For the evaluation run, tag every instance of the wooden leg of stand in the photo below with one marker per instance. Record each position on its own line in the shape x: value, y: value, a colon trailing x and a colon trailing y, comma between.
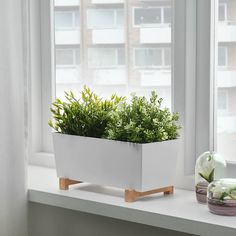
x: 131, y: 195
x: 64, y: 183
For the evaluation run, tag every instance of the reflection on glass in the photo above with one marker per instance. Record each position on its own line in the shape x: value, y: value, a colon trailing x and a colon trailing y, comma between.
x: 113, y: 48
x: 226, y: 79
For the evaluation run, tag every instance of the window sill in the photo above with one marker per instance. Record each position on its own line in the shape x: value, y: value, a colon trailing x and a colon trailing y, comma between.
x: 179, y: 212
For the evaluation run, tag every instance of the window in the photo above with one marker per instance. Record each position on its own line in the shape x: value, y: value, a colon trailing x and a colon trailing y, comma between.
x: 222, y: 56
x: 105, y: 52
x: 152, y: 57
x: 105, y: 18
x: 222, y: 12
x: 226, y: 82
x: 106, y: 57
x: 66, y: 20
x: 100, y: 45
x: 222, y: 104
x: 152, y: 16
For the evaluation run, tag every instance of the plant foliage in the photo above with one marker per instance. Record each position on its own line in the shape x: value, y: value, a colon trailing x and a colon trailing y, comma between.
x: 87, y: 116
x: 208, y: 178
x: 143, y: 121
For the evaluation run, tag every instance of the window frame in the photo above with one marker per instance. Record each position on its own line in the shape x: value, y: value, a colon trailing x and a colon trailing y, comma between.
x: 193, y: 63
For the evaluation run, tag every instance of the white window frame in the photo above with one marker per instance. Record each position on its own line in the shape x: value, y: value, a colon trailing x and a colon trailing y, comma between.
x: 162, y: 24
x: 193, y: 64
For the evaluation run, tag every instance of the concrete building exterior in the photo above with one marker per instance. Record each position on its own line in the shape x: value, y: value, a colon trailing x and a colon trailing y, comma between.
x: 226, y: 79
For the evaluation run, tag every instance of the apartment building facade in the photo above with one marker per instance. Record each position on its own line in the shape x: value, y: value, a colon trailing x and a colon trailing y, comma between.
x: 226, y: 78
x: 118, y: 46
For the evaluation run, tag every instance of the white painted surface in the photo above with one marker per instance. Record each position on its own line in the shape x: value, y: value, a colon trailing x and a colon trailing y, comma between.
x: 108, y: 36
x: 66, y: 2
x: 67, y: 37
x: 155, y: 78
x: 107, y: 1
x: 179, y: 212
x: 155, y: 35
x: 226, y: 78
x: 72, y: 75
x: 109, y: 77
x: 13, y: 84
x: 113, y: 163
x: 226, y: 33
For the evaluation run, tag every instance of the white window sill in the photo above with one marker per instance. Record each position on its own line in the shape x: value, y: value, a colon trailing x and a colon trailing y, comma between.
x: 179, y: 212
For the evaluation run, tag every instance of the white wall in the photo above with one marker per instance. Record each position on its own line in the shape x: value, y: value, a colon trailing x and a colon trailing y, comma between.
x: 53, y: 221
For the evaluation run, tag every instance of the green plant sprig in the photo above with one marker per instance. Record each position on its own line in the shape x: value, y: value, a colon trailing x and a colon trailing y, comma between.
x: 143, y: 121
x: 87, y: 116
x: 208, y: 178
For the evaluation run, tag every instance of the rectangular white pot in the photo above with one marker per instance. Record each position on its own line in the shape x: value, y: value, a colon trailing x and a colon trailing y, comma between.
x: 114, y: 163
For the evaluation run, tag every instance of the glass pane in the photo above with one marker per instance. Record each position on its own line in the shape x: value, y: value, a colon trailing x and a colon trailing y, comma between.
x: 102, y: 57
x: 120, y: 17
x: 108, y: 52
x: 67, y: 57
x: 63, y: 20
x: 222, y: 11
x: 148, y: 57
x: 101, y: 18
x: 167, y: 15
x: 147, y: 16
x: 222, y: 56
x: 226, y: 80
x: 167, y: 56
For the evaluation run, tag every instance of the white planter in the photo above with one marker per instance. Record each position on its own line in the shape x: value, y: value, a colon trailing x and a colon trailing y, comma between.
x: 113, y: 163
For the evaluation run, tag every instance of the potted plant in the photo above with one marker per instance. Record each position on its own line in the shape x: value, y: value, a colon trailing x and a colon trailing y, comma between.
x: 130, y: 145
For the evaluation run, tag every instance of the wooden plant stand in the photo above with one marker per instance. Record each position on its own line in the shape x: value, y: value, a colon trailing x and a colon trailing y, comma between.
x: 131, y: 195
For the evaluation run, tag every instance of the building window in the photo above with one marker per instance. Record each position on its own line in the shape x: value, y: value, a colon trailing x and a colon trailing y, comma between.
x: 152, y: 16
x: 67, y: 57
x: 152, y: 57
x: 105, y: 18
x: 222, y: 12
x: 226, y: 84
x: 222, y: 100
x: 222, y: 56
x: 66, y: 20
x: 106, y: 57
x: 103, y: 51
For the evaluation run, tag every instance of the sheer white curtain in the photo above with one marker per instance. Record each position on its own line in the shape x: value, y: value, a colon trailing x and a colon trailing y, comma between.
x: 13, y: 81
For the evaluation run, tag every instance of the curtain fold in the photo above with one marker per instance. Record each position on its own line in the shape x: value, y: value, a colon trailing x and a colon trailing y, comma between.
x: 13, y: 113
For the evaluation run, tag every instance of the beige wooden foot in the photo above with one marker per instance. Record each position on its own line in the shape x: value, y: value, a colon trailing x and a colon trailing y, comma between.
x: 131, y: 195
x: 64, y: 183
